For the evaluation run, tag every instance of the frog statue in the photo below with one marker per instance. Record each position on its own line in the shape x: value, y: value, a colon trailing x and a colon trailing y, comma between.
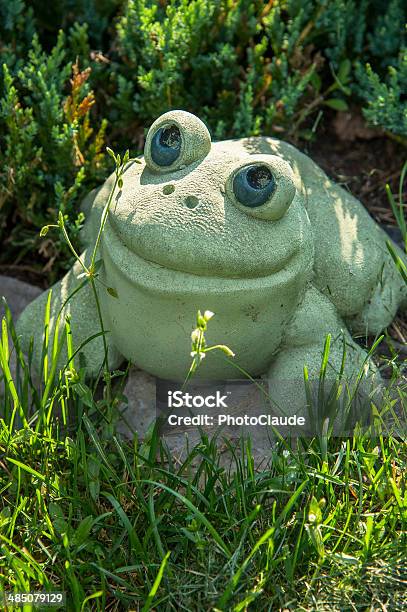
x: 250, y: 229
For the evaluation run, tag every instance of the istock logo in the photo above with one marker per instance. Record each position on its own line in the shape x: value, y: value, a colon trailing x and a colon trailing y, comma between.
x: 176, y: 399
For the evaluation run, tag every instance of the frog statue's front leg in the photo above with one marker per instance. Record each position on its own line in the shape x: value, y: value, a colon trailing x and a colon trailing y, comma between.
x: 84, y: 323
x: 303, y: 345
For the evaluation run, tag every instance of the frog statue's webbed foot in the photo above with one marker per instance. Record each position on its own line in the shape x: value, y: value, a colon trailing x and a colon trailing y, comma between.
x: 84, y: 323
x: 348, y: 383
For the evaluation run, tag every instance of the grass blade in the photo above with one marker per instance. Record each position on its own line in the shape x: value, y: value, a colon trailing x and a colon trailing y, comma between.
x: 157, y: 581
x: 236, y: 576
x: 223, y: 546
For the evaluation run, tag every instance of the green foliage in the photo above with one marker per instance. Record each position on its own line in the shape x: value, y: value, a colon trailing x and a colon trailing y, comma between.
x: 17, y: 28
x: 245, y: 67
x: 49, y: 153
x: 263, y: 67
x: 388, y: 35
x: 386, y: 98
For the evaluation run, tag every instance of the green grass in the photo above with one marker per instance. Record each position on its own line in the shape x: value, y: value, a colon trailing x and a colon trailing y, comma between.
x: 121, y: 525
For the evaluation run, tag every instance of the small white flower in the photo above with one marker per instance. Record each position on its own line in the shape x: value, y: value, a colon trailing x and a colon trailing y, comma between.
x: 195, y: 335
x: 208, y: 314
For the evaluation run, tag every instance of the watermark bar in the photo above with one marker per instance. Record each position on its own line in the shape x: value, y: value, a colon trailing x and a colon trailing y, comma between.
x: 236, y: 407
x: 10, y: 600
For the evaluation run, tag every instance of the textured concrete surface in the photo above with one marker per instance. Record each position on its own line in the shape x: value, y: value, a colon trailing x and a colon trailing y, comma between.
x: 140, y: 411
x: 179, y: 239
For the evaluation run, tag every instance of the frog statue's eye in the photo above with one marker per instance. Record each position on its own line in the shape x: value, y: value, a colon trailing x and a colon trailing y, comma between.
x: 166, y: 145
x: 253, y: 185
x: 263, y: 187
x: 176, y: 140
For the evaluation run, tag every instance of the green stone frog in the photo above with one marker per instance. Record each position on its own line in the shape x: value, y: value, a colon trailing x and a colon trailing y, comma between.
x: 250, y: 229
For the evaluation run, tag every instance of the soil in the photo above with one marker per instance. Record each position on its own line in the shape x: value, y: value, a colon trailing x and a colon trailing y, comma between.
x: 363, y: 166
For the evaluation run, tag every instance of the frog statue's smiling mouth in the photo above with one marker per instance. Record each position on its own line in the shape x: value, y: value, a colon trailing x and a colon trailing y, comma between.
x: 207, y: 272
x: 159, y: 274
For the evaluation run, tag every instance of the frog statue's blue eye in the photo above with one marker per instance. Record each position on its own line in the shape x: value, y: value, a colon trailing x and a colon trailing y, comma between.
x: 253, y: 185
x: 166, y: 145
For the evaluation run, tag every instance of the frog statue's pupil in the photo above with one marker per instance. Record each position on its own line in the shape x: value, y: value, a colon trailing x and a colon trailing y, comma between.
x: 170, y: 137
x: 166, y: 145
x: 259, y: 177
x: 253, y: 185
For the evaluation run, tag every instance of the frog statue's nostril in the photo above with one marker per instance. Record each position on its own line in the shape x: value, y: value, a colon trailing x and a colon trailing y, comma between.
x: 167, y: 189
x: 191, y: 202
